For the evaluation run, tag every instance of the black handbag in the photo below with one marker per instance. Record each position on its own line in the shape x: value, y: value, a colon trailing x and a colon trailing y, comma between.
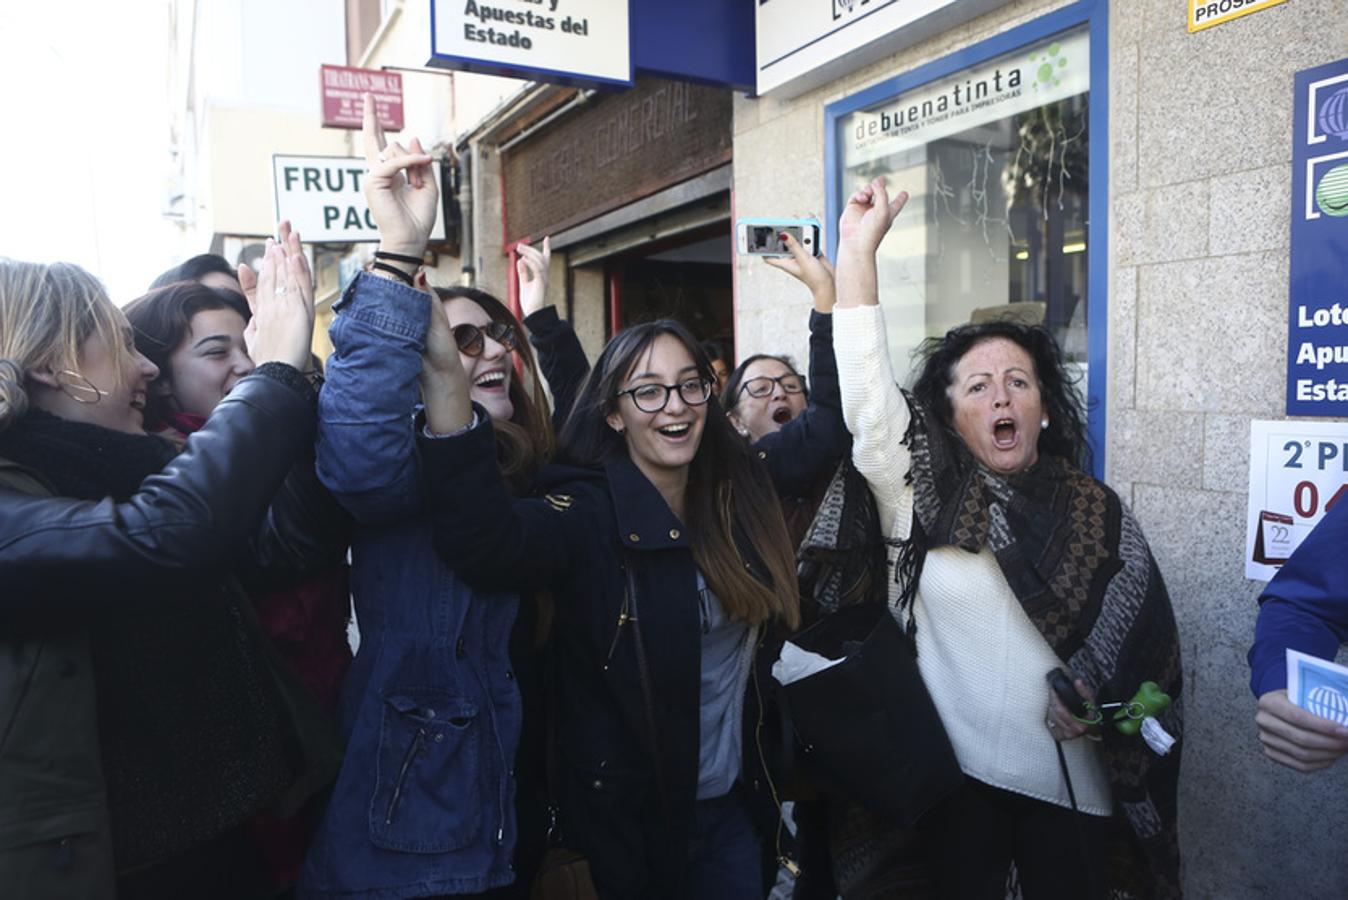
x: 866, y: 728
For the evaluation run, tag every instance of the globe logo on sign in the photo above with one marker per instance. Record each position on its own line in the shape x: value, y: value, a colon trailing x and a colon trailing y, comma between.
x: 1331, y: 194
x: 1334, y: 114
x: 1327, y: 703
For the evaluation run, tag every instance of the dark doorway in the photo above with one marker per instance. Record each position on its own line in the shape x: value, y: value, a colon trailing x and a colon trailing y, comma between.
x: 687, y: 278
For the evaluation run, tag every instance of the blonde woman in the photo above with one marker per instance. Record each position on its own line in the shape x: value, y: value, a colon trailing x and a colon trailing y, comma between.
x: 143, y: 721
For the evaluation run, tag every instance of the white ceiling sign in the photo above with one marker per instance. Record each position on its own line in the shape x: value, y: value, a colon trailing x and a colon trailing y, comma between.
x: 804, y: 43
x: 585, y: 41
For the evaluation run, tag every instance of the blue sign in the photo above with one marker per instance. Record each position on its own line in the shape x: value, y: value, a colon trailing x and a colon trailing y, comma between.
x: 1317, y: 336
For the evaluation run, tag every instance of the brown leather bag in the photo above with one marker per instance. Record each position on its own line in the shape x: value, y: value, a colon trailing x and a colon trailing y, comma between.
x: 564, y: 875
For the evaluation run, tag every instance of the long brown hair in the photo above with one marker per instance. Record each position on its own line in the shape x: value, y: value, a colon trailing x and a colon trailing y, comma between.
x: 525, y: 443
x: 729, y: 493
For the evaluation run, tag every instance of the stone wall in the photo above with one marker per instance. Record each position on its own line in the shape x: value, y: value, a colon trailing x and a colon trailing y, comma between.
x: 1200, y: 151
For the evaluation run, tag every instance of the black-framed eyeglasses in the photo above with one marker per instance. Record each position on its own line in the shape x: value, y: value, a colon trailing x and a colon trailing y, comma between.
x: 652, y: 398
x: 763, y: 385
x: 470, y: 337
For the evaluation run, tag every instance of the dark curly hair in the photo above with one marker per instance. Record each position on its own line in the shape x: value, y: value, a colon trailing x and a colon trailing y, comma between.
x: 1066, y: 432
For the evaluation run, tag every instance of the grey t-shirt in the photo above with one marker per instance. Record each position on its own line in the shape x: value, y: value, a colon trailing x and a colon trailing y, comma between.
x: 725, y: 670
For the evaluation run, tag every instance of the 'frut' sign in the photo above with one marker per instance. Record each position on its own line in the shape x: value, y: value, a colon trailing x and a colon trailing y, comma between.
x: 323, y: 198
x: 1317, y: 337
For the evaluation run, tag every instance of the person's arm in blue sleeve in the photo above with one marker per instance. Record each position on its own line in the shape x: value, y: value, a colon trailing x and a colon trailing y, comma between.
x: 490, y: 538
x: 811, y: 445
x: 367, y: 452
x: 1305, y: 608
x: 560, y: 358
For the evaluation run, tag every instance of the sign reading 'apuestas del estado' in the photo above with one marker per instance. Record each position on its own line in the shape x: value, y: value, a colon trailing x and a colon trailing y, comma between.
x: 1317, y: 344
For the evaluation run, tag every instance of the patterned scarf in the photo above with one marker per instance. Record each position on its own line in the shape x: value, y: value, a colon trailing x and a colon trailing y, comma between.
x: 1077, y: 562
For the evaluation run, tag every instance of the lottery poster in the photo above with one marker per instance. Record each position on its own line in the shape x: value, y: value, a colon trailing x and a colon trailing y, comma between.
x: 1298, y: 470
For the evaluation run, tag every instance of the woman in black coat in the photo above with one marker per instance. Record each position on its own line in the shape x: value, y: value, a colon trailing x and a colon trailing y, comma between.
x: 145, y: 718
x: 669, y: 562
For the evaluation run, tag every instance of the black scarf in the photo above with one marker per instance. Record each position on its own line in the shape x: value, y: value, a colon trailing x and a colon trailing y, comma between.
x: 1077, y: 562
x: 191, y: 734
x: 86, y: 462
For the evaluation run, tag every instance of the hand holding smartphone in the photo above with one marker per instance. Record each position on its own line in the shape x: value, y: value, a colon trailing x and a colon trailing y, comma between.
x: 762, y: 237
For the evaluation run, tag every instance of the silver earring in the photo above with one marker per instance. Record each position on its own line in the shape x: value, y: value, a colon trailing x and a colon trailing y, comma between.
x: 1043, y: 424
x: 79, y: 388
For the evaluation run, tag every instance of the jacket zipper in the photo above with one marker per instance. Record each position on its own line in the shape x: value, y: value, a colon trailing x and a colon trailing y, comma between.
x: 623, y: 619
x: 402, y: 774
x: 782, y: 859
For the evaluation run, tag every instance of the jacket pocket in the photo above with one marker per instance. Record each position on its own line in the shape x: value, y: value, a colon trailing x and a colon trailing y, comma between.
x: 427, y: 795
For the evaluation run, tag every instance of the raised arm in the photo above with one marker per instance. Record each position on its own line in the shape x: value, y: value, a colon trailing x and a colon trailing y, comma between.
x: 873, y: 406
x: 811, y: 445
x: 560, y: 356
x: 57, y: 556
x: 366, y: 449
x: 489, y: 537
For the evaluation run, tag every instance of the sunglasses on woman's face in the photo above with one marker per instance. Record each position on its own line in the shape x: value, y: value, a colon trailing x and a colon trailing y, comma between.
x: 470, y: 338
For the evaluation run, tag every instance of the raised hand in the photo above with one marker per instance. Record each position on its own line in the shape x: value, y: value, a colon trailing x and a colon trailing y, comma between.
x: 865, y: 221
x: 866, y: 218
x: 815, y: 272
x: 532, y: 268
x: 445, y: 390
x: 283, y: 306
x: 399, y: 187
x: 290, y: 244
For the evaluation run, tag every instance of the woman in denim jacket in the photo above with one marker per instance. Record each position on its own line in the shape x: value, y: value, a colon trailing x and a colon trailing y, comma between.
x: 432, y: 708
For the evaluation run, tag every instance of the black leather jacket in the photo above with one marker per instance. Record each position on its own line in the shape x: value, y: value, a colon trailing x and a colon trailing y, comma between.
x: 59, y: 557
x: 64, y: 564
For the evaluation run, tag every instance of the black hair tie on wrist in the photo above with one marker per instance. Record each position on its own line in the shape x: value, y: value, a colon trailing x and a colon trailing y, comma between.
x: 394, y: 271
x: 398, y: 257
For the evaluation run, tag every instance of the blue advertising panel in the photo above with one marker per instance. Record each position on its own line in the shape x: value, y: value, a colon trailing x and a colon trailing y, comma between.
x: 1317, y: 337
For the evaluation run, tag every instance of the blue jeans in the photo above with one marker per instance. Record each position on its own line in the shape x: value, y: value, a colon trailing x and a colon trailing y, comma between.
x: 725, y: 851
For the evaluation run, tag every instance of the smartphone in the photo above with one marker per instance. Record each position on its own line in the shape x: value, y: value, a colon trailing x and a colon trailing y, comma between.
x: 762, y: 237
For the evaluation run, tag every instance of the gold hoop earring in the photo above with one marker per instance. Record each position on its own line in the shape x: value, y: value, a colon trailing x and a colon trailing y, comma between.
x: 79, y: 388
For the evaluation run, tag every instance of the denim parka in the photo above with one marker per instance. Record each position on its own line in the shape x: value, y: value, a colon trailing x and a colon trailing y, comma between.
x: 430, y: 710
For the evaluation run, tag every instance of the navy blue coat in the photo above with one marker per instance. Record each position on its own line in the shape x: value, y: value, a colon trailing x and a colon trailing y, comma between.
x: 577, y: 540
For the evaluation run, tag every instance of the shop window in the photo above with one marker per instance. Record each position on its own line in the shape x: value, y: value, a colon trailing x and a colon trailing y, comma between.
x: 996, y: 160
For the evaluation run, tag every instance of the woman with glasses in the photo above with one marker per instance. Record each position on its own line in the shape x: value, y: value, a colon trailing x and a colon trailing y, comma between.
x: 440, y: 792
x: 665, y: 550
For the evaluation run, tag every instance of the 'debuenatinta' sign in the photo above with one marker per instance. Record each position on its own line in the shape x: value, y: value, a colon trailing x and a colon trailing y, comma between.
x: 1036, y: 76
x: 544, y: 40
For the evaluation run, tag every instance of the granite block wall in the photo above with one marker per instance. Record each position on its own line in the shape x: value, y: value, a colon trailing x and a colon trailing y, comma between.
x: 1200, y: 151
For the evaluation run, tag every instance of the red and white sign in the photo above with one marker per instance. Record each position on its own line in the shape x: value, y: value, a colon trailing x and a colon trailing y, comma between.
x: 343, y: 87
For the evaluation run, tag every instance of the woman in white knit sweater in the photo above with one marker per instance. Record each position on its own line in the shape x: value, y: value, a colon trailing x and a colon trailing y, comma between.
x: 1009, y: 562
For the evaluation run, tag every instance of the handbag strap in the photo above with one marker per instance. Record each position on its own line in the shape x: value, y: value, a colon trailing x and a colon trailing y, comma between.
x: 644, y: 676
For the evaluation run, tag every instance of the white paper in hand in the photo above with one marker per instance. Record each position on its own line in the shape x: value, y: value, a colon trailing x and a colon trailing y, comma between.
x: 793, y: 664
x: 1318, y: 686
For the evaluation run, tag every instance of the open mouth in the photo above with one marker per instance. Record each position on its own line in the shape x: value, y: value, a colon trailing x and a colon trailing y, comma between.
x: 781, y: 415
x: 493, y: 379
x: 138, y: 402
x: 675, y: 432
x: 1004, y: 434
